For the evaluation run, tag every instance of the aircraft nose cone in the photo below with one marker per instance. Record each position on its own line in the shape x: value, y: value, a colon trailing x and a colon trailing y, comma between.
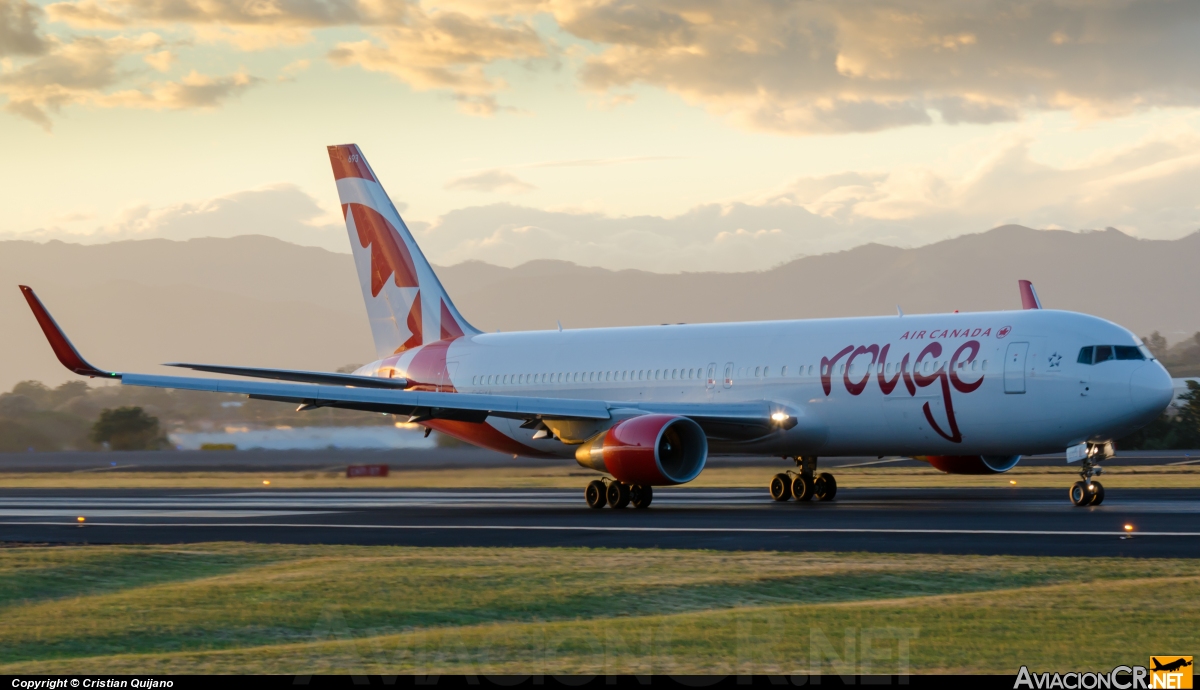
x: 1150, y: 389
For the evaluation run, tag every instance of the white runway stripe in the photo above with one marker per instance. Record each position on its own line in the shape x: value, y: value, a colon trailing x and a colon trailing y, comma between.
x: 134, y: 512
x: 604, y: 528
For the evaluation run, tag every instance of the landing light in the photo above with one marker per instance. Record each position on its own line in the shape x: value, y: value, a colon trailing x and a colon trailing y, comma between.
x: 266, y: 482
x: 779, y: 417
x: 79, y: 519
x: 1128, y: 528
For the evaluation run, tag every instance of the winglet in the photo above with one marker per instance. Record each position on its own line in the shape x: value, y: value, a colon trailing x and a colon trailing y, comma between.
x: 1029, y: 298
x: 63, y: 349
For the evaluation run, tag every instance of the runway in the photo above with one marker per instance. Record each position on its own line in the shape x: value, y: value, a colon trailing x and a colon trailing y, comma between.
x: 1019, y: 521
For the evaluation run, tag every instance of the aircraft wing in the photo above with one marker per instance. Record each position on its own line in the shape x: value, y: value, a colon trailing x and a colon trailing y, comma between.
x: 320, y: 389
x: 319, y: 377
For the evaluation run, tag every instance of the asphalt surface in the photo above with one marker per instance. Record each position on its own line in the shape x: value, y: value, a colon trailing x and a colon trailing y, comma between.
x: 1166, y: 522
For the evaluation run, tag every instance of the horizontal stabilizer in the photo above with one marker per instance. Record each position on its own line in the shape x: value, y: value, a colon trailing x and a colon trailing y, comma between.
x: 320, y: 377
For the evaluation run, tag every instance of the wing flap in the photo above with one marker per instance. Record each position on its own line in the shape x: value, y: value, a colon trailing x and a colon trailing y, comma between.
x: 420, y: 403
x: 318, y: 377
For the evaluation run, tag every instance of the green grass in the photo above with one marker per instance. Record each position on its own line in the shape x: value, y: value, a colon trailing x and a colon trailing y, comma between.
x: 301, y: 609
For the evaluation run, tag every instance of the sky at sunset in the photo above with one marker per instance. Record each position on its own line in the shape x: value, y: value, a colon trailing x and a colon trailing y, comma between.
x: 667, y: 135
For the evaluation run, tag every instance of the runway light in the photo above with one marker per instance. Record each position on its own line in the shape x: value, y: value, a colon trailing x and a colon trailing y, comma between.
x: 266, y: 482
x: 79, y: 519
x: 1012, y: 481
x: 1128, y: 528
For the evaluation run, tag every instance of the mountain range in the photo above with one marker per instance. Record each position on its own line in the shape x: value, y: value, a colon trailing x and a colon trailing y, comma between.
x: 256, y: 300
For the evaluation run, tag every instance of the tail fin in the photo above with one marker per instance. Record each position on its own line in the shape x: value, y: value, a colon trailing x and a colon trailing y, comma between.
x: 1029, y: 298
x: 406, y: 302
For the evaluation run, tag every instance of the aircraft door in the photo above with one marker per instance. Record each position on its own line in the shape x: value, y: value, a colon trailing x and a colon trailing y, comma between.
x: 446, y: 380
x: 728, y: 383
x: 1014, y: 367
x: 710, y: 380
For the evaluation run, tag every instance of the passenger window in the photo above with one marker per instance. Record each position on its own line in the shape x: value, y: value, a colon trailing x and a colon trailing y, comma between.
x: 758, y: 371
x: 1103, y: 353
x: 810, y: 370
x: 984, y: 365
x: 783, y: 371
x: 1128, y: 352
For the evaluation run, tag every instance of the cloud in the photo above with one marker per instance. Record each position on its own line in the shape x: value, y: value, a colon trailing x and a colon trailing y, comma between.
x: 1146, y: 190
x: 19, y: 28
x: 861, y: 66
x: 86, y: 70
x: 274, y: 13
x: 793, y: 68
x: 490, y: 181
x: 193, y: 91
x: 160, y: 61
x: 445, y: 51
x: 86, y: 14
x: 283, y: 211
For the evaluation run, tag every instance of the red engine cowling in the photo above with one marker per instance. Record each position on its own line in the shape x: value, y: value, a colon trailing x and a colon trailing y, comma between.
x: 653, y: 449
x: 973, y: 464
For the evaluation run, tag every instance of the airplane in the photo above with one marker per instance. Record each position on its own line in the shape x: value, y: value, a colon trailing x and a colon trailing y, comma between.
x: 646, y: 406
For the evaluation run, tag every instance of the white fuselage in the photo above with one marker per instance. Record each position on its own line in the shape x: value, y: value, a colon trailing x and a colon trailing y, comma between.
x: 989, y: 383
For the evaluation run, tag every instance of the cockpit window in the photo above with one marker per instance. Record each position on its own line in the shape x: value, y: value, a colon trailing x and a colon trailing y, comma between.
x: 1128, y: 352
x: 1095, y: 354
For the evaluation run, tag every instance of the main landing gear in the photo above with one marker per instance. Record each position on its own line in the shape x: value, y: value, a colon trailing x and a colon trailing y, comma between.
x: 1088, y: 491
x: 804, y: 485
x: 610, y: 492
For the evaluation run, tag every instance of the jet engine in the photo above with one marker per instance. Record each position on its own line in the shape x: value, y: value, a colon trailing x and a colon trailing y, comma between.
x: 972, y: 464
x: 653, y: 449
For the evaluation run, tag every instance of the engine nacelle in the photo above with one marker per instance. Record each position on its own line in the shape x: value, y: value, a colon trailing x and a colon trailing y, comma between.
x: 654, y: 449
x: 973, y: 464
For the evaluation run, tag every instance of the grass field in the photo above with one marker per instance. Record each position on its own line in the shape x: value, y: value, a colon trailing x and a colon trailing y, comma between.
x: 296, y: 609
x: 571, y: 476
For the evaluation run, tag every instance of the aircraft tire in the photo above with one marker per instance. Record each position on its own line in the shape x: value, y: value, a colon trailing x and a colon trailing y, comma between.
x: 1080, y: 495
x: 1097, y: 494
x: 640, y: 495
x: 596, y: 494
x: 824, y: 487
x: 802, y: 487
x: 781, y: 487
x: 618, y: 494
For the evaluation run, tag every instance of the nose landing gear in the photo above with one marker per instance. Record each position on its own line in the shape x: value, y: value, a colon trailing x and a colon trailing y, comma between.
x: 804, y: 485
x: 1088, y: 491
